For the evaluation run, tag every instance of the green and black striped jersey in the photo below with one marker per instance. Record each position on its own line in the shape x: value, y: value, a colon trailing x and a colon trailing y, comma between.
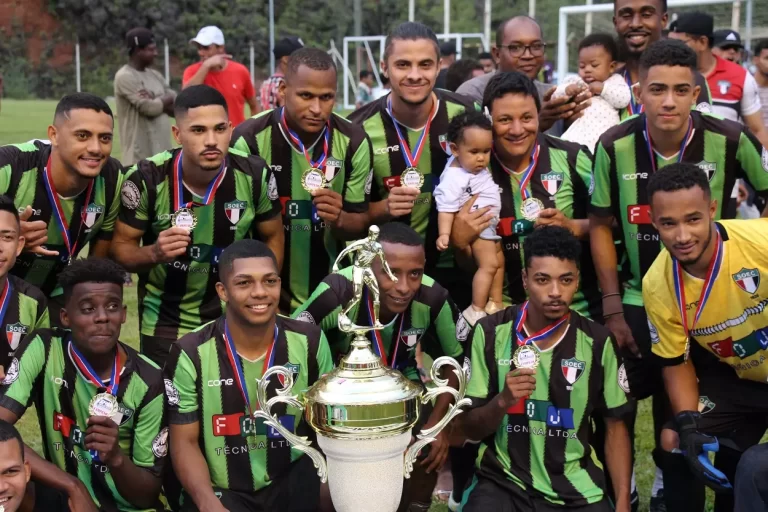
x: 21, y: 178
x: 43, y: 373
x: 561, y: 180
x: 431, y: 319
x: 178, y: 297
x: 243, y: 454
x: 724, y: 150
x: 389, y: 162
x: 26, y: 311
x: 542, y: 444
x: 310, y: 245
x: 703, y: 101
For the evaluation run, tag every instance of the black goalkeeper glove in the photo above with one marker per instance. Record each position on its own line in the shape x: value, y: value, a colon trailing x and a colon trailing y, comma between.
x: 695, y: 447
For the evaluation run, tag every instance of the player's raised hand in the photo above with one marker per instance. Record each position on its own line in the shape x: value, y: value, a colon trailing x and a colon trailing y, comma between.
x: 520, y: 383
x: 102, y: 436
x: 328, y: 204
x: 35, y: 234
x: 171, y: 244
x: 401, y: 200
x: 217, y: 62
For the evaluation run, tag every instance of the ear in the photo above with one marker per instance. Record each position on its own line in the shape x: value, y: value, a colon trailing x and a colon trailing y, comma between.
x: 64, y: 318
x: 524, y: 274
x: 636, y: 91
x: 612, y: 66
x: 383, y: 67
x: 27, y: 469
x: 176, y: 133
x: 696, y: 91
x: 222, y: 292
x: 52, y: 135
x: 20, y: 247
x: 664, y: 20
x: 454, y: 148
x: 125, y: 314
x: 713, y: 209
x: 495, y: 53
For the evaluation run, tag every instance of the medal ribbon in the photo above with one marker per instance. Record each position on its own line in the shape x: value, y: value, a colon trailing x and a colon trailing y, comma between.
x: 528, y: 173
x: 634, y: 108
x: 411, y: 158
x: 178, y: 187
x: 320, y: 162
x: 86, y: 370
x: 522, y: 314
x: 709, y: 282
x: 58, y: 210
x: 5, y: 300
x: 378, y: 345
x: 683, y: 145
x: 234, y: 361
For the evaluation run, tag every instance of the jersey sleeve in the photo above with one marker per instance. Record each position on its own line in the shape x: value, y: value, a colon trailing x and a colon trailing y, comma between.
x: 180, y: 377
x: 753, y: 160
x: 150, y: 436
x: 14, y: 160
x: 614, y: 402
x: 668, y: 340
x: 600, y: 186
x: 243, y: 140
x: 134, y: 200
x: 478, y: 386
x: 17, y: 389
x: 114, y: 181
x: 266, y: 199
x: 582, y: 183
x: 750, y: 100
x: 43, y: 318
x: 323, y: 308
x: 358, y: 166
x: 324, y: 358
x: 444, y: 342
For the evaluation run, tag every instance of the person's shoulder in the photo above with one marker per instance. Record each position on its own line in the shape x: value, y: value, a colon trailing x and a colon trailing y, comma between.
x: 475, y: 85
x: 571, y: 148
x: 112, y: 169
x: 731, y: 68
x: 589, y: 327
x: 490, y: 323
x: 751, y: 233
x: 25, y: 288
x: 254, y: 125
x: 655, y: 281
x: 156, y: 168
x: 711, y: 122
x: 125, y: 71
x: 456, y: 99
x: 147, y: 369
x: 238, y: 68
x: 351, y: 130
x: 192, y: 340
x: 369, y: 110
x: 431, y: 292
x: 307, y: 330
x: 24, y: 155
x: 629, y: 126
x: 252, y: 165
x: 192, y: 68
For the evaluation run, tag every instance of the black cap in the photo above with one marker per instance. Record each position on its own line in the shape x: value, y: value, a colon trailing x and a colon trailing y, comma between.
x: 287, y: 45
x: 138, y: 38
x: 447, y: 48
x: 727, y: 39
x: 694, y: 23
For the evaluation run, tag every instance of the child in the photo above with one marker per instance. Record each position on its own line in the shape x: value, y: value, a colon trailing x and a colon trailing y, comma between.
x: 465, y: 175
x: 598, y: 54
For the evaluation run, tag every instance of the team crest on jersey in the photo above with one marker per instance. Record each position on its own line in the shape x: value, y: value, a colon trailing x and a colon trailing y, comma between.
x: 764, y: 159
x: 705, y: 405
x: 445, y: 144
x: 724, y: 86
x: 160, y: 444
x: 462, y: 329
x: 306, y: 316
x: 552, y: 181
x: 591, y: 183
x: 332, y: 168
x: 704, y: 107
x: 411, y: 337
x: 234, y: 210
x: 12, y: 373
x: 748, y: 279
x: 171, y: 392
x: 14, y: 334
x: 272, y: 189
x: 293, y: 368
x: 467, y: 367
x: 709, y: 168
x: 572, y: 369
x: 622, y: 378
x: 130, y: 195
x: 91, y: 214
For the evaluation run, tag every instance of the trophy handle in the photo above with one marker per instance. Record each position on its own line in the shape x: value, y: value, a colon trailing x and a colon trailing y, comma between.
x: 264, y: 411
x: 425, y: 437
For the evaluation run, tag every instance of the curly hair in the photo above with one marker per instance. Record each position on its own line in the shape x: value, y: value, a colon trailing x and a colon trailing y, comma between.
x: 678, y: 176
x: 467, y: 119
x: 313, y: 58
x: 607, y: 41
x: 91, y: 270
x: 512, y: 82
x: 555, y: 241
x: 668, y: 52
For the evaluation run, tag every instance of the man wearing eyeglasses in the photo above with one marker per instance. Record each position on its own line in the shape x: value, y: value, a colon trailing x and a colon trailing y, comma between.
x: 520, y: 47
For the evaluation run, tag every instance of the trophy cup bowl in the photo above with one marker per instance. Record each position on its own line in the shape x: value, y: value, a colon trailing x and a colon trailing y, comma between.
x: 363, y: 413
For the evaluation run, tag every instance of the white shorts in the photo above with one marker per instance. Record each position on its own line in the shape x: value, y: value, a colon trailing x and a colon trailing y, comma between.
x: 489, y: 233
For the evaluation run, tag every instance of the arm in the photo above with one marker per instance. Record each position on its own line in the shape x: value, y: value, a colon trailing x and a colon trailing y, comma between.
x: 129, y: 87
x: 444, y: 224
x: 618, y: 455
x: 682, y: 387
x: 751, y: 110
x: 127, y: 251
x: 191, y: 468
x: 750, y: 157
x: 272, y: 233
x: 755, y: 123
x: 616, y: 92
x: 99, y: 248
x: 199, y: 76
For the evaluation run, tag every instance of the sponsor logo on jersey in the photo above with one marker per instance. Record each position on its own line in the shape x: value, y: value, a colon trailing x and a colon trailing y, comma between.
x: 552, y: 181
x: 724, y: 86
x: 235, y: 209
x: 217, y: 383
x: 276, y: 168
x: 709, y: 168
x: 14, y: 334
x: 391, y: 182
x: 622, y: 378
x: 387, y: 149
x: 635, y: 176
x: 639, y: 214
x: 748, y: 279
x: 544, y: 411
x: 240, y: 424
x: 160, y: 444
x: 462, y: 328
x: 411, y: 336
x: 272, y: 188
x: 291, y: 367
x: 332, y: 167
x: 171, y: 392
x: 705, y: 404
x: 11, y: 373
x: 572, y: 369
x: 445, y: 144
x: 91, y: 214
x: 306, y: 316
x: 130, y: 195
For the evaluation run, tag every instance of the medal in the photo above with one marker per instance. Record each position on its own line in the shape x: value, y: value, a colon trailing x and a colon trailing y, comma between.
x: 526, y: 357
x: 531, y: 209
x: 312, y: 179
x: 309, y: 180
x: 378, y: 345
x: 185, y: 216
x: 713, y: 270
x: 683, y: 145
x: 70, y: 242
x: 532, y: 206
x: 411, y: 177
x: 103, y: 404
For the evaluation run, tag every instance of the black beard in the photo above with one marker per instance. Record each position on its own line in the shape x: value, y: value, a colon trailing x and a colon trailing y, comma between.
x: 706, y: 246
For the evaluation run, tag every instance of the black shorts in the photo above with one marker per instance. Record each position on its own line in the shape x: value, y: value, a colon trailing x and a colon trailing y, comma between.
x: 155, y: 348
x: 486, y: 494
x: 298, y: 490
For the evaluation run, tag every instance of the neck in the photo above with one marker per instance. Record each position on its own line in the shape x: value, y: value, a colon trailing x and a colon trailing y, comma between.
x: 101, y: 363
x: 699, y: 267
x: 3, y: 280
x: 385, y: 315
x: 137, y: 65
x: 414, y: 116
x: 306, y: 138
x: 67, y: 182
x: 633, y: 66
x: 515, y: 163
x: 194, y: 176
x: 668, y: 143
x: 251, y: 341
x: 761, y: 78
x: 535, y: 321
x: 707, y: 62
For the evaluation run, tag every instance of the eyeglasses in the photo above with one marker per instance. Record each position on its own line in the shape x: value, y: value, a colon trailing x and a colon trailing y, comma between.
x: 517, y: 49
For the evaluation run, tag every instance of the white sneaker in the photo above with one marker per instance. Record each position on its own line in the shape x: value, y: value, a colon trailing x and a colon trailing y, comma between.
x: 471, y: 315
x: 453, y: 506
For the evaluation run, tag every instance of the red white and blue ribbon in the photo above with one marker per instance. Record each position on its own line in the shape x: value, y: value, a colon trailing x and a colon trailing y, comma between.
x: 522, y: 314
x: 87, y: 371
x: 634, y: 108
x: 5, y: 299
x: 70, y: 241
x: 411, y: 158
x: 713, y: 270
x: 178, y: 186
x: 378, y: 345
x: 315, y: 164
x: 683, y: 145
x: 234, y: 361
x: 528, y: 173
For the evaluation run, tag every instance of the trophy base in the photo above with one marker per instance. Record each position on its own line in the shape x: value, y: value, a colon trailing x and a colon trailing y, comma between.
x: 372, y: 468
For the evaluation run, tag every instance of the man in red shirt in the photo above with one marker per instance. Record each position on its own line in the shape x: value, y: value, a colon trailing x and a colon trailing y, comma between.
x: 217, y: 69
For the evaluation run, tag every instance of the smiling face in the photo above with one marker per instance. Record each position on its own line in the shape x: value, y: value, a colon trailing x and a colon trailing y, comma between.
x: 309, y: 95
x: 407, y: 263
x: 251, y: 290
x: 83, y: 140
x: 204, y: 134
x: 638, y: 23
x: 95, y: 313
x: 412, y: 66
x: 684, y: 221
x: 522, y: 39
x: 14, y: 475
x: 551, y: 284
x: 515, y: 124
x: 11, y: 243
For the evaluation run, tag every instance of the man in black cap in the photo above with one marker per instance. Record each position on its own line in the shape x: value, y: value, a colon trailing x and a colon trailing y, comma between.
x: 268, y: 94
x: 144, y: 100
x: 728, y: 45
x: 447, y: 57
x: 734, y: 91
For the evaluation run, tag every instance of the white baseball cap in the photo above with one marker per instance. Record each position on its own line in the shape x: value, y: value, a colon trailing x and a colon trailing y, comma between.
x: 209, y: 35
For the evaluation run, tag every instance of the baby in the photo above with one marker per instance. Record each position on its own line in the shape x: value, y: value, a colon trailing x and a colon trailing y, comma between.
x: 465, y: 175
x: 610, y: 93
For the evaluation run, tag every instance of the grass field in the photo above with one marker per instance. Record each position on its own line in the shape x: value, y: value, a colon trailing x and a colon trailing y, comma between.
x: 21, y: 121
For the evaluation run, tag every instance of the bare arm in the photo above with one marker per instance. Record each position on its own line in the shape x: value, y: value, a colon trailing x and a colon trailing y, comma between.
x: 272, y: 233
x: 618, y: 456
x: 601, y: 245
x: 483, y: 421
x: 350, y: 226
x: 199, y: 77
x: 682, y: 387
x: 191, y: 468
x: 100, y: 248
x: 445, y: 223
x: 755, y: 124
x: 127, y: 251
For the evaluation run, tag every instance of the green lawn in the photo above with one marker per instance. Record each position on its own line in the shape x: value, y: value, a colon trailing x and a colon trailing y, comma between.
x: 21, y: 121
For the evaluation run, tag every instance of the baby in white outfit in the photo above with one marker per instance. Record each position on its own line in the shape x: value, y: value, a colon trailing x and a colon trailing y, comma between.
x: 466, y: 175
x: 610, y: 93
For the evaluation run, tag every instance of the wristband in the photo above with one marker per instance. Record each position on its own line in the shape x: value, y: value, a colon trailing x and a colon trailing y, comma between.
x: 617, y: 294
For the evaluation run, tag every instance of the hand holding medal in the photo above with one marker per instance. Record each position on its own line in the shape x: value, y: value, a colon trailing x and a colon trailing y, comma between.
x: 411, y: 176
x: 531, y: 207
x: 313, y: 178
x: 184, y: 216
